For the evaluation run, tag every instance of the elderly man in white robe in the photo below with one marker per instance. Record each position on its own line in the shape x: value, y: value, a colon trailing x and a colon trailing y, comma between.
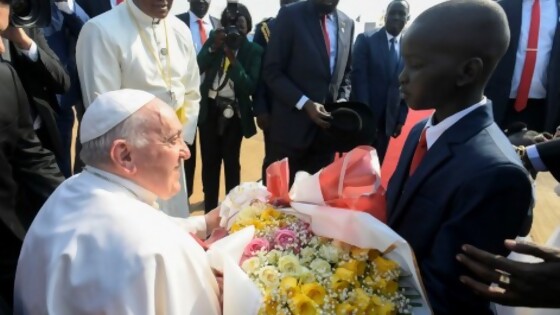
x: 137, y: 45
x: 99, y: 245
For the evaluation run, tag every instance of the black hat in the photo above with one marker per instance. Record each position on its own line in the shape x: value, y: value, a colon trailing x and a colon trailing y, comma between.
x: 352, y: 124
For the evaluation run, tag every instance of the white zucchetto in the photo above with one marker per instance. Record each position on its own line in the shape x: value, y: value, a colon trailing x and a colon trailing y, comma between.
x: 110, y: 109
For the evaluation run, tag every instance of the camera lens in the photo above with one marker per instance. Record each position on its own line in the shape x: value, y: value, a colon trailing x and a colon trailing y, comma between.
x: 21, y: 7
x: 30, y: 13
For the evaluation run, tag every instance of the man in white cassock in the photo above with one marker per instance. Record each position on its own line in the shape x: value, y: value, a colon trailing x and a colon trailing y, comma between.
x: 137, y: 45
x: 99, y: 245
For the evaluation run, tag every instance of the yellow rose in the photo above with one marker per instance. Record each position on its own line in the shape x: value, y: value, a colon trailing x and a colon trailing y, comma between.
x: 345, y: 309
x: 338, y: 284
x: 315, y: 292
x: 269, y: 276
x: 374, y: 253
x: 358, y: 267
x: 289, y: 286
x: 391, y: 287
x: 359, y: 253
x: 303, y: 305
x: 289, y: 265
x: 360, y: 299
x: 346, y: 275
x: 384, y: 265
x: 270, y: 305
x: 386, y: 308
x: 270, y: 214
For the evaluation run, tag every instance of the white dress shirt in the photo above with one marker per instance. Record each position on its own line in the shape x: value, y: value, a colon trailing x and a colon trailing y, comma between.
x: 549, y: 20
x: 397, y: 43
x: 535, y: 158
x: 433, y: 132
x: 99, y: 233
x: 332, y: 30
x: 206, y: 23
x: 71, y: 7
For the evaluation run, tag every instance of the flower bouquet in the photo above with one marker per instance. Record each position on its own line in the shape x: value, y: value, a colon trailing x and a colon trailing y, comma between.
x: 307, y: 257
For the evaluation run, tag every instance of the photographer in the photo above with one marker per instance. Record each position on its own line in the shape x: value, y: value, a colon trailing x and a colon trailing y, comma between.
x: 24, y: 166
x: 231, y: 65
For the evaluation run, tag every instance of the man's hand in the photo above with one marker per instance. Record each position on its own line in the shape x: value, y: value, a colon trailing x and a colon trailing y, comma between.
x: 398, y: 131
x: 18, y: 36
x: 522, y: 153
x: 219, y: 39
x: 230, y: 54
x: 520, y: 284
x: 263, y: 121
x: 318, y: 114
x: 212, y: 220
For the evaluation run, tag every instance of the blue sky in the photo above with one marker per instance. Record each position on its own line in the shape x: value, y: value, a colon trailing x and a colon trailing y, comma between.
x: 369, y: 10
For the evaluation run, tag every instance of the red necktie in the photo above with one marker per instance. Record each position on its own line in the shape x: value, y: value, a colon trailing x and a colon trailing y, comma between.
x: 119, y: 2
x: 326, y: 35
x: 202, y: 31
x: 530, y: 58
x: 419, y: 153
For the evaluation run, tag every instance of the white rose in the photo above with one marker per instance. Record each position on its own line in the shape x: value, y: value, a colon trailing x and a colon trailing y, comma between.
x: 321, y: 267
x: 269, y: 276
x: 251, y: 265
x: 273, y: 256
x: 330, y: 253
x: 289, y: 265
x: 307, y: 254
x: 306, y: 276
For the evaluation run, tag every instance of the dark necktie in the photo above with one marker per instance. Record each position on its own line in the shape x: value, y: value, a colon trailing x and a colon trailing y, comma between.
x: 419, y: 153
x: 393, y: 58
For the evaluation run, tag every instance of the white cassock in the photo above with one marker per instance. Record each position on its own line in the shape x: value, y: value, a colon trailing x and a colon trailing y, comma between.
x: 98, y: 247
x: 118, y: 50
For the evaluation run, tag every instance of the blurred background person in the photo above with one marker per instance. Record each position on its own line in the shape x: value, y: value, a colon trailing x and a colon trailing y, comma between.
x: 262, y: 98
x: 376, y: 65
x: 307, y: 64
x: 25, y: 166
x: 526, y: 84
x: 231, y: 65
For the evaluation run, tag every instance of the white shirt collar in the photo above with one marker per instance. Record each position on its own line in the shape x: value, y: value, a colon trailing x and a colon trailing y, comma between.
x: 397, y: 38
x: 194, y: 19
x: 140, y: 16
x: 433, y: 132
x: 134, y: 189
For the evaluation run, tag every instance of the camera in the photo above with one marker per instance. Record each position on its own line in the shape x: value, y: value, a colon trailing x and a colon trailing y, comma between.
x: 233, y: 36
x: 30, y: 13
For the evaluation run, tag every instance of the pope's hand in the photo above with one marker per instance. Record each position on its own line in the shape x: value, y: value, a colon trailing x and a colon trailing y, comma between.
x: 212, y: 220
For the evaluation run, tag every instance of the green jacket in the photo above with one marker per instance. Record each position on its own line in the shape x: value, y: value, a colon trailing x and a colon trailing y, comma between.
x: 244, y: 73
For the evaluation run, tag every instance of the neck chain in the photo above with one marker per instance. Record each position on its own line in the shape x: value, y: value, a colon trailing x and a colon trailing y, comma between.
x: 165, y: 75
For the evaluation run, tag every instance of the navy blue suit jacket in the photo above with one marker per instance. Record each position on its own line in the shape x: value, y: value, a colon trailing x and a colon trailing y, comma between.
x: 297, y: 64
x: 470, y: 189
x: 262, y: 97
x: 373, y: 83
x: 499, y: 86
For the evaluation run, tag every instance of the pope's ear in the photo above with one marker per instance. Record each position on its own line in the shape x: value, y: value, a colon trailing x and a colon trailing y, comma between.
x: 121, y: 156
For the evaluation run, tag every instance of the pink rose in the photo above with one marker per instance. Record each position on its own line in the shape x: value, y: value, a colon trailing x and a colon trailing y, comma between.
x: 256, y: 245
x: 286, y: 239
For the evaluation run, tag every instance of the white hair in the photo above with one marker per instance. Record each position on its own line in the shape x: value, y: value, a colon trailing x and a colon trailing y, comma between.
x: 132, y: 129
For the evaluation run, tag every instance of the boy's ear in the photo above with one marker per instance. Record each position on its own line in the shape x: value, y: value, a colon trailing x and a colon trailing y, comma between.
x: 470, y: 71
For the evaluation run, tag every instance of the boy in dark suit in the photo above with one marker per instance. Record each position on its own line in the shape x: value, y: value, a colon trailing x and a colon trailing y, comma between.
x: 458, y: 179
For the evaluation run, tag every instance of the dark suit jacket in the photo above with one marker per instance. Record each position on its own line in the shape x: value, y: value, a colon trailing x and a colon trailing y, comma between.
x: 297, y: 64
x: 186, y: 18
x: 26, y: 168
x: 244, y: 73
x: 94, y: 8
x: 499, y: 86
x: 549, y: 152
x: 373, y: 83
x: 470, y: 189
x: 42, y: 80
x: 262, y: 98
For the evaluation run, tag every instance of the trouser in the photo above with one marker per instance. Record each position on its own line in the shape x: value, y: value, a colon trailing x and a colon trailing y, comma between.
x: 534, y: 115
x: 9, y: 253
x: 310, y: 160
x: 190, y: 166
x: 267, y: 155
x: 215, y: 148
